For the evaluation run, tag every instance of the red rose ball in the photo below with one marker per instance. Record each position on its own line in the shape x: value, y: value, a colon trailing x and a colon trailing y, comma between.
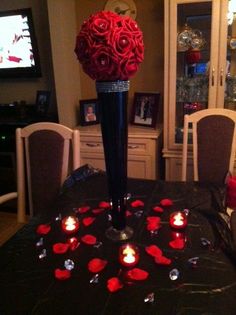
x: 109, y: 47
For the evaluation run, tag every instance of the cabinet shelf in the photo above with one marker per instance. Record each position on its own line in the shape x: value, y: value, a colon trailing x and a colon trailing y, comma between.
x: 187, y: 87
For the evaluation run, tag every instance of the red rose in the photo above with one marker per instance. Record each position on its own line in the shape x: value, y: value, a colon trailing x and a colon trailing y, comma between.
x: 128, y: 68
x: 103, y: 63
x: 122, y: 42
x: 101, y: 25
x: 83, y: 46
x: 131, y: 26
x: 139, y: 51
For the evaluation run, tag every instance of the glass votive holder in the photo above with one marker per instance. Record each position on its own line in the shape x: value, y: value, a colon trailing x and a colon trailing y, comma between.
x: 70, y: 224
x: 128, y: 255
x: 178, y: 220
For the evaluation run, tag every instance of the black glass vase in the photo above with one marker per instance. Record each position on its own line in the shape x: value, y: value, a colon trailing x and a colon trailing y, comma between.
x: 112, y: 99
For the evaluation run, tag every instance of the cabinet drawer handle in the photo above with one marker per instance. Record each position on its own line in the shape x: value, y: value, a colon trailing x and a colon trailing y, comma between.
x: 93, y: 145
x: 132, y: 146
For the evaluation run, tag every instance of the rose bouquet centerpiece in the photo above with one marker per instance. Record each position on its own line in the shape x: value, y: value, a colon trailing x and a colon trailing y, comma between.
x: 110, y: 48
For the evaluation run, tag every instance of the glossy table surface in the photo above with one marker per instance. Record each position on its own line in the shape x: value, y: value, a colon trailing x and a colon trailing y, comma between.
x: 28, y: 285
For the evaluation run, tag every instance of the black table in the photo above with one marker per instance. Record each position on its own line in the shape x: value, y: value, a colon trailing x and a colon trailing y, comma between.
x: 28, y: 285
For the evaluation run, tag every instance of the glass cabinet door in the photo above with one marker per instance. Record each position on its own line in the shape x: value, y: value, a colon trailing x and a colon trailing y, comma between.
x: 230, y: 67
x: 194, y: 21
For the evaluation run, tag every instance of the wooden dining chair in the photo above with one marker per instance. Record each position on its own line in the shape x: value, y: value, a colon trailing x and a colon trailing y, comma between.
x: 44, y: 153
x: 213, y: 142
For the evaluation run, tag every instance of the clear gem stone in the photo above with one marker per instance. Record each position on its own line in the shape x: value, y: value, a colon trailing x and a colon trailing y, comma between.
x: 138, y: 213
x: 59, y: 217
x: 174, y: 274
x: 98, y: 245
x: 153, y: 232
x: 149, y: 298
x: 128, y: 196
x: 43, y: 254
x: 94, y: 279
x: 40, y: 242
x: 193, y: 261
x: 69, y: 264
x: 205, y: 242
x: 186, y: 212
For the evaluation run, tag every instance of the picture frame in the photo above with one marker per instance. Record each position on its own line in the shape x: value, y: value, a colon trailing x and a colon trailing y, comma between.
x: 145, y: 109
x: 89, y: 112
x: 42, y: 102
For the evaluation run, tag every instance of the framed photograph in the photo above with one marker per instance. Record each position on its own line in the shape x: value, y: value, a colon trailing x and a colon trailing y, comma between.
x: 145, y: 108
x: 89, y: 113
x: 42, y: 102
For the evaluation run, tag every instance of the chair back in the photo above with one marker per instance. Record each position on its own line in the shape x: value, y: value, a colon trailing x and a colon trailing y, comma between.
x: 213, y: 142
x: 43, y: 151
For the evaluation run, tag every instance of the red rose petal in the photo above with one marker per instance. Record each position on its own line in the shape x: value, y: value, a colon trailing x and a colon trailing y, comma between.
x: 114, y: 284
x: 96, y: 265
x: 128, y: 213
x: 166, y: 202
x: 153, y: 250
x: 153, y: 220
x: 97, y: 211
x: 153, y: 223
x: 89, y: 239
x: 43, y: 229
x: 178, y: 243
x: 137, y: 203
x: 60, y: 248
x: 83, y: 209
x: 158, y: 209
x: 153, y: 227
x: 162, y: 260
x: 62, y: 274
x: 88, y: 221
x: 137, y: 274
x: 104, y: 204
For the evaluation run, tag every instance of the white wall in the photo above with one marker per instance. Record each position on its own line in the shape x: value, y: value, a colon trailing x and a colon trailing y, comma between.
x: 62, y: 23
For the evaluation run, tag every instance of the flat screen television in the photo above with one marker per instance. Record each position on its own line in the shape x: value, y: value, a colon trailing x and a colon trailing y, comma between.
x: 19, y: 55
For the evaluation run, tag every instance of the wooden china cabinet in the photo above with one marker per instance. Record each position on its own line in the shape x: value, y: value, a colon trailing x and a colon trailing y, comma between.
x: 200, y: 68
x: 144, y: 150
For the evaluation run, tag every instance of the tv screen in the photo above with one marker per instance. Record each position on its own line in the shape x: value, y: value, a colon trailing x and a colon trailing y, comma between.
x: 18, y: 47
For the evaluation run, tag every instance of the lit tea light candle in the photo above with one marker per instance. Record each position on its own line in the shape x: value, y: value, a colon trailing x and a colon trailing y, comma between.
x: 128, y: 255
x: 70, y: 224
x: 178, y: 220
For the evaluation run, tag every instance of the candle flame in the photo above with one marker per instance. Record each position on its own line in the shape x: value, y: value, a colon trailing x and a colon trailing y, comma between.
x: 70, y: 224
x: 178, y: 219
x: 129, y: 255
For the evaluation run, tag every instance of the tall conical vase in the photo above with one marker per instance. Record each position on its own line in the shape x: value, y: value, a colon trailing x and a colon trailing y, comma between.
x: 112, y: 99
